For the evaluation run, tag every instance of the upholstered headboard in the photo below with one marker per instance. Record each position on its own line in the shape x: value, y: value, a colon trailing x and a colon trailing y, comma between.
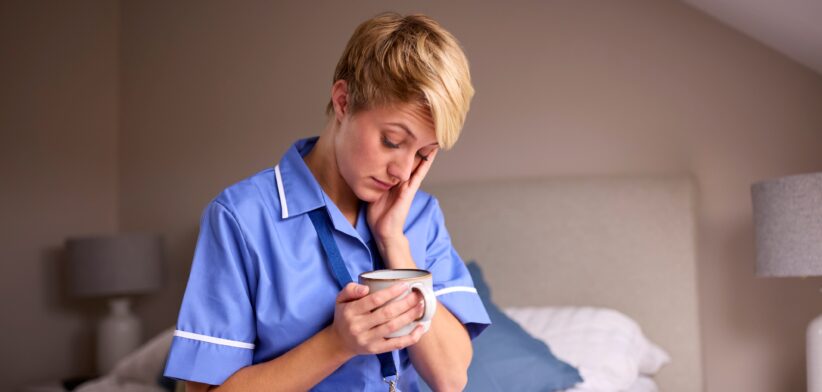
x: 623, y: 243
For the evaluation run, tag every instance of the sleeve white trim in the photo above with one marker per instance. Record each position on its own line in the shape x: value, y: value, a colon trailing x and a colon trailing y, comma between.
x: 455, y: 289
x: 281, y: 191
x: 211, y: 339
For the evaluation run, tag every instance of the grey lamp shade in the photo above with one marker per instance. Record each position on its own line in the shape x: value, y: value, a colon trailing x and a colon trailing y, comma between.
x: 787, y: 215
x: 114, y: 265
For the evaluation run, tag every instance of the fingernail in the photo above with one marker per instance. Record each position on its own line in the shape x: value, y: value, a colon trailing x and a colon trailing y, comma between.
x: 361, y: 289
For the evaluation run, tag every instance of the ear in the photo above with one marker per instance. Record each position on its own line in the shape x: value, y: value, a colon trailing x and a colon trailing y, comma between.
x: 339, y: 98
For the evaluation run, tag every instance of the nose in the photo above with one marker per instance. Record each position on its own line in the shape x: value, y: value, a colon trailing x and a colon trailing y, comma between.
x: 401, y: 167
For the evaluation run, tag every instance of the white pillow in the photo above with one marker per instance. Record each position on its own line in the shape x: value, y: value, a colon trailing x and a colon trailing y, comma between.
x: 146, y: 363
x: 137, y: 371
x: 644, y: 384
x: 607, y: 347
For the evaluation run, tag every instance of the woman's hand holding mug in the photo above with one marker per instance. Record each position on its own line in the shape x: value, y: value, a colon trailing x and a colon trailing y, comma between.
x: 363, y: 319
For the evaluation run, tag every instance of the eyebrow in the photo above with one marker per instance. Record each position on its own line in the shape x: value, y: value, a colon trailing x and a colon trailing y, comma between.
x: 408, y: 131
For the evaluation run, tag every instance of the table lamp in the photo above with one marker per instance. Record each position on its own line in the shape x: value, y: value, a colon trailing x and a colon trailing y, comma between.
x: 787, y: 215
x: 115, y: 267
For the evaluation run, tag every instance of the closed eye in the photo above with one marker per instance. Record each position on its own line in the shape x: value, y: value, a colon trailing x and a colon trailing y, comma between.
x: 388, y: 143
x: 425, y: 152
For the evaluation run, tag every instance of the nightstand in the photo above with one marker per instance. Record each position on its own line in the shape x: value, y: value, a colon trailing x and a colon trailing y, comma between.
x: 64, y: 385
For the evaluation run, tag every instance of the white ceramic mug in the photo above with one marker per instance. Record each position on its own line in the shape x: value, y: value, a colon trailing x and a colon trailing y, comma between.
x: 419, y: 280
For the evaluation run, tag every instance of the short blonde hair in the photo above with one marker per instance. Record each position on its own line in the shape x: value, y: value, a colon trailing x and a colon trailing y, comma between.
x: 394, y: 59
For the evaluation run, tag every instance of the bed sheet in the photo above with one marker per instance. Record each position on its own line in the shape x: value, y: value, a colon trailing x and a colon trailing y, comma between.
x: 642, y: 384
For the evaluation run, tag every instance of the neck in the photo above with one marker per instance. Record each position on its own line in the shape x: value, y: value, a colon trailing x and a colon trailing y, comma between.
x: 322, y: 161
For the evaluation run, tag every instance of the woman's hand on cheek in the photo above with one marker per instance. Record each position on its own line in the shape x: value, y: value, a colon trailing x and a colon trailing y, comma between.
x: 386, y: 216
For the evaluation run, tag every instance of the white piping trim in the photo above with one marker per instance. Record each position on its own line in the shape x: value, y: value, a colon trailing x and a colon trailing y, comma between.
x: 281, y: 191
x: 211, y: 339
x: 455, y: 289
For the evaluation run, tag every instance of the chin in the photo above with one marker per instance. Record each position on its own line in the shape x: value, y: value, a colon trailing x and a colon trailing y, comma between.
x: 367, y: 194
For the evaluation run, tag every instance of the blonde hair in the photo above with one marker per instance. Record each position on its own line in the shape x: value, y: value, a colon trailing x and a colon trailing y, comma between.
x: 393, y: 59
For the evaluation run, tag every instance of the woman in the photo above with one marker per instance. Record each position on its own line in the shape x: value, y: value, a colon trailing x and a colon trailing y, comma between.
x: 262, y: 310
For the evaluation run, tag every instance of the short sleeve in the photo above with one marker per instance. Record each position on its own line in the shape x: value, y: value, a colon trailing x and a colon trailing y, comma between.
x: 453, y: 285
x: 216, y: 330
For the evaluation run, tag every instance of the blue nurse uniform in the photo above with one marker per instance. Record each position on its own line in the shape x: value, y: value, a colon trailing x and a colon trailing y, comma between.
x: 260, y: 283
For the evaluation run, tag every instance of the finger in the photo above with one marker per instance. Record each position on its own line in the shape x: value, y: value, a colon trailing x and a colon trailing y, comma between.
x: 409, y: 188
x: 352, y: 292
x: 401, y: 342
x: 422, y: 170
x: 379, y: 298
x: 393, y: 311
x: 396, y: 323
x: 415, y: 296
x: 417, y: 332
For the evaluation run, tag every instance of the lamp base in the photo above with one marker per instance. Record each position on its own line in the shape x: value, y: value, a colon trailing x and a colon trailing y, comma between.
x: 118, y: 335
x: 814, y: 355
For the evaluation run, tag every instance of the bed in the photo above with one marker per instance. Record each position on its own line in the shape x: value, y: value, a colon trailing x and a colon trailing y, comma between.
x: 624, y: 246
x: 625, y: 243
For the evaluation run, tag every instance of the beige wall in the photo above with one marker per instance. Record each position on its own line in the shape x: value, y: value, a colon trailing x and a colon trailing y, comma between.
x: 211, y: 92
x: 215, y: 92
x: 58, y: 175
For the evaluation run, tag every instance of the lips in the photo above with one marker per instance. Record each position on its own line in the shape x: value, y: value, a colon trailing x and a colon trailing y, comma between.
x: 382, y: 185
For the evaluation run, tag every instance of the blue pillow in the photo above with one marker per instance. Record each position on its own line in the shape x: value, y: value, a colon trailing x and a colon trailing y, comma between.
x: 506, y: 358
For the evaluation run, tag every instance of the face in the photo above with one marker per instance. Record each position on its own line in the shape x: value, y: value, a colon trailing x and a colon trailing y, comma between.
x: 379, y: 148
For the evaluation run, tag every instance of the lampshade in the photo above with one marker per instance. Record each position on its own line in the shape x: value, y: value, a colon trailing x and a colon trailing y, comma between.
x: 114, y: 265
x: 788, y: 223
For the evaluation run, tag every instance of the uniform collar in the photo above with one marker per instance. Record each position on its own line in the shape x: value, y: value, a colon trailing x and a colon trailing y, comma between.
x: 300, y: 192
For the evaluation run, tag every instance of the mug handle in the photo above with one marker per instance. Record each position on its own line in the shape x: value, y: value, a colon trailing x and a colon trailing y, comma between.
x: 429, y: 299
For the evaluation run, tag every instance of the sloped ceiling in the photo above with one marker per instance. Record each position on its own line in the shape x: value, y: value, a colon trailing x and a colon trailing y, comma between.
x: 792, y: 27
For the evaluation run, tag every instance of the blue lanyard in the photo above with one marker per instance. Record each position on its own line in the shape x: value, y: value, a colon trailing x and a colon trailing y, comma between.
x: 322, y: 225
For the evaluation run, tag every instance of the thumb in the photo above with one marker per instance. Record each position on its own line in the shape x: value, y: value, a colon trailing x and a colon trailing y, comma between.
x: 351, y: 292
